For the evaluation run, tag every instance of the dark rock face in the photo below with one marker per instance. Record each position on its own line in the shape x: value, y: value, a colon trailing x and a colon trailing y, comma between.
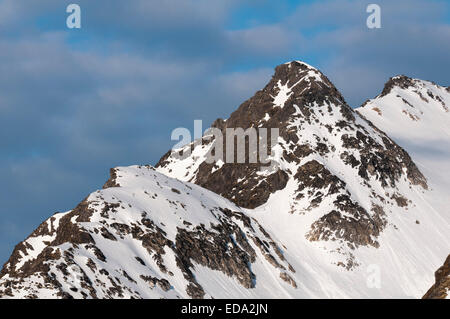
x: 111, y: 182
x: 216, y: 251
x: 382, y: 161
x: 358, y: 229
x: 441, y: 287
x: 252, y: 194
x: 313, y: 175
x: 226, y: 248
x: 252, y: 111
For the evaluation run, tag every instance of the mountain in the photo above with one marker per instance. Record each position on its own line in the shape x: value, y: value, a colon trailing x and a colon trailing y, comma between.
x: 143, y: 236
x: 340, y: 210
x: 416, y: 114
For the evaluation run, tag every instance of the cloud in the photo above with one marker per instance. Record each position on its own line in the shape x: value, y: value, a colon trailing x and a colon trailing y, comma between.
x: 244, y: 84
x: 262, y: 40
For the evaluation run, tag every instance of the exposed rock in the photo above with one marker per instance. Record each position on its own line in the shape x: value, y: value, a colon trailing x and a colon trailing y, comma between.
x: 441, y: 287
x: 401, y: 81
x: 286, y: 277
x: 111, y: 182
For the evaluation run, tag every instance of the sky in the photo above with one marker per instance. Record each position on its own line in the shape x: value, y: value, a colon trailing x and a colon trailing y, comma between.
x: 76, y: 102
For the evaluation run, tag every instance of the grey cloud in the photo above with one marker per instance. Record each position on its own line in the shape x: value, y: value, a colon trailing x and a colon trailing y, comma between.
x: 267, y: 40
x: 345, y: 13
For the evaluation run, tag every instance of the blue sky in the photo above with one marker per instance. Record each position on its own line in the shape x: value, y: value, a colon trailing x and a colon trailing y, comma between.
x: 74, y: 103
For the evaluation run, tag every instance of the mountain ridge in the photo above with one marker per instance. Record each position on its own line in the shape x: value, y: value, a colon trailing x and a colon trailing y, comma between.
x: 422, y: 108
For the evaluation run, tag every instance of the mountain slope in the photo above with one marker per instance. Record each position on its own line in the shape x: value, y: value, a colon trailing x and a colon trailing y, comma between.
x: 416, y: 114
x: 148, y: 236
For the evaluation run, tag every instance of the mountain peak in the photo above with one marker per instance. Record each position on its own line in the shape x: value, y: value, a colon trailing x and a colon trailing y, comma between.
x: 297, y: 64
x: 422, y: 106
x: 321, y: 141
x: 291, y: 73
x: 294, y: 85
x: 401, y: 81
x: 414, y: 98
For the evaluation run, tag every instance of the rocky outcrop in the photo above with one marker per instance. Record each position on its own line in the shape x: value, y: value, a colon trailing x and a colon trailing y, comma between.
x: 441, y: 287
x: 401, y: 81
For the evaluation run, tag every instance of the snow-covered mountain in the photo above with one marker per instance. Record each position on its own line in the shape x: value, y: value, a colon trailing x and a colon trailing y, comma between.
x: 341, y: 211
x: 416, y: 114
x: 146, y: 235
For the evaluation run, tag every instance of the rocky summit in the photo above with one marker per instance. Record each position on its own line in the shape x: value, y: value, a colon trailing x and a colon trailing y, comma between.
x: 345, y: 208
x: 329, y: 162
